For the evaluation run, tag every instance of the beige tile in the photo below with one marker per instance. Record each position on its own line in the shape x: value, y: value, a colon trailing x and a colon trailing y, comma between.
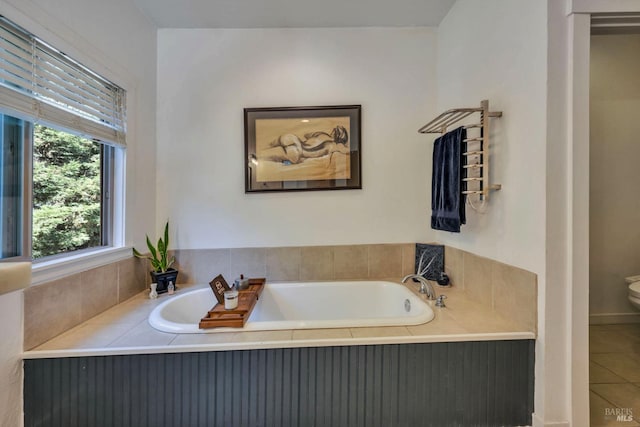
x: 631, y: 330
x: 482, y: 320
x: 515, y: 294
x: 143, y: 335
x: 203, y: 339
x: 131, y: 278
x: 440, y: 325
x: 623, y: 337
x: 601, y: 410
x: 351, y: 261
x: 130, y: 312
x: 144, y: 267
x: 620, y: 364
x: 624, y: 396
x: 260, y: 336
x: 611, y: 342
x: 635, y: 354
x: 316, y: 263
x: 474, y: 317
x: 408, y: 258
x: 453, y: 266
x: 283, y: 264
x: 99, y: 290
x: 386, y: 331
x: 86, y: 336
x: 321, y: 334
x: 252, y: 262
x: 202, y: 265
x: 385, y: 261
x: 477, y: 278
x: 601, y: 375
x: 51, y: 309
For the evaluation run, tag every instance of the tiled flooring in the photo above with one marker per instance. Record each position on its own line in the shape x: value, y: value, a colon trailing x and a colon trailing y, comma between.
x: 614, y: 374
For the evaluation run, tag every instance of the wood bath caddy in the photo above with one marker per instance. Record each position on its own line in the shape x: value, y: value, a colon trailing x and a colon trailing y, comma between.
x: 219, y: 317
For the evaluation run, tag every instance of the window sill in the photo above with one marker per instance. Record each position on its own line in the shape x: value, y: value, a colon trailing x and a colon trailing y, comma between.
x: 46, y: 271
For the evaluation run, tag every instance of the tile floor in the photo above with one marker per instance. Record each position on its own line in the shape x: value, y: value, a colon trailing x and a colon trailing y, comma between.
x: 614, y: 374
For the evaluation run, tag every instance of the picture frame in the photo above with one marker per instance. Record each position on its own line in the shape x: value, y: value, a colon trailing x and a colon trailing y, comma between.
x: 302, y: 148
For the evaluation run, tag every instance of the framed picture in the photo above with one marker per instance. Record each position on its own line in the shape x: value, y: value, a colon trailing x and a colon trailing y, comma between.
x: 302, y: 148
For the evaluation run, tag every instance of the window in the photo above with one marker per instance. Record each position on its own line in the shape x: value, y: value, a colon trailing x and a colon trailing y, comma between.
x: 14, y: 137
x: 61, y: 137
x: 68, y: 193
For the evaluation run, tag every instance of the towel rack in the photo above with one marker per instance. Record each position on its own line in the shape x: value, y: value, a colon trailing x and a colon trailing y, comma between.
x: 475, y: 150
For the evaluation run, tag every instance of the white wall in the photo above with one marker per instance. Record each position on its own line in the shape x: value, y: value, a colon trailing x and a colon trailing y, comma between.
x: 497, y: 50
x: 207, y: 77
x: 114, y: 39
x: 614, y: 172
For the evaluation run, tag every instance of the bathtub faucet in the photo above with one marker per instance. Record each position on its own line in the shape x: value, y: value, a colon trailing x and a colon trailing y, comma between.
x: 425, y: 286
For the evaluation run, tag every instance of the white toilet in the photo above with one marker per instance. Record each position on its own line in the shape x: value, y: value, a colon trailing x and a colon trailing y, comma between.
x: 634, y: 290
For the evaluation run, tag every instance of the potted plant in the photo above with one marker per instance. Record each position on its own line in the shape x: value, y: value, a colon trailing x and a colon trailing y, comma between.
x: 162, y: 272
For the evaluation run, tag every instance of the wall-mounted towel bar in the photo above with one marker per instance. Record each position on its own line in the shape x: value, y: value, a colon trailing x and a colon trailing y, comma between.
x: 476, y: 149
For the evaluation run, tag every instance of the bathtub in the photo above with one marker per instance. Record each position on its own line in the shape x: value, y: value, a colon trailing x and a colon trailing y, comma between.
x: 309, y: 305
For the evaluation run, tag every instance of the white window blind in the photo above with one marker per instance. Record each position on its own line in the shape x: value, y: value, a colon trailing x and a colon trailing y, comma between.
x: 45, y: 85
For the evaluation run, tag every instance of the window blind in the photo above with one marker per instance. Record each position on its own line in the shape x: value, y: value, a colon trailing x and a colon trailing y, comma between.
x: 41, y: 83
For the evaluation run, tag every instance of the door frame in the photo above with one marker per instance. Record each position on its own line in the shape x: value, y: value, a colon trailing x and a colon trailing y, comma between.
x: 579, y: 43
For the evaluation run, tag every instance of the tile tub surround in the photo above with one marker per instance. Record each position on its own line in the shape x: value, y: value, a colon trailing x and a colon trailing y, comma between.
x: 62, y: 304
x: 54, y: 307
x: 65, y: 303
x: 291, y: 264
x: 124, y: 329
x: 510, y: 291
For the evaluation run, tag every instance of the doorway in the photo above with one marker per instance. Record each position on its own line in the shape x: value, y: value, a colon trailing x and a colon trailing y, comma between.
x: 614, y: 229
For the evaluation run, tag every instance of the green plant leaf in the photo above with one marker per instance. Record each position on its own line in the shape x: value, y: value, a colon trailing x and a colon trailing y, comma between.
x: 159, y: 256
x: 154, y: 254
x: 162, y: 251
x: 166, y: 235
x: 161, y: 247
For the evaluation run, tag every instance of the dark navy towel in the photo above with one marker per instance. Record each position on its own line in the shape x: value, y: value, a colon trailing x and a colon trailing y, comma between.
x: 447, y: 200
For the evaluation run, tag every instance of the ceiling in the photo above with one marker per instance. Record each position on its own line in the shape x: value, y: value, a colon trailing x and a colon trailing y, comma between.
x: 294, y: 13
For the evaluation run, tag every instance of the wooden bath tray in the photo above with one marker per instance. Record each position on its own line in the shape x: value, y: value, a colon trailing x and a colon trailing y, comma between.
x: 218, y: 317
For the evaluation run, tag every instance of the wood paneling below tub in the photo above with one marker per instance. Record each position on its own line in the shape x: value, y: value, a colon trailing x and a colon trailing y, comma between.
x: 487, y: 383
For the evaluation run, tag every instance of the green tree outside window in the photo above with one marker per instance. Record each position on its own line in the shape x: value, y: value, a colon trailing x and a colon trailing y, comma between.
x: 66, y: 192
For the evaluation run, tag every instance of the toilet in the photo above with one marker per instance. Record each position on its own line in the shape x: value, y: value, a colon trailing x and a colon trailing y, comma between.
x: 634, y: 290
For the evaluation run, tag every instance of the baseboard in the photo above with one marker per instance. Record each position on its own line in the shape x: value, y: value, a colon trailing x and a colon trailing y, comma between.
x: 612, y: 318
x: 539, y: 422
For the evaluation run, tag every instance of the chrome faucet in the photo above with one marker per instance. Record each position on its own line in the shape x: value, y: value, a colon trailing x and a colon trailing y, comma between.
x: 425, y: 286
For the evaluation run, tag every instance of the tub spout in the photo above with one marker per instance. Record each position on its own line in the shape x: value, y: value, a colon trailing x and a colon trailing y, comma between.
x: 425, y: 287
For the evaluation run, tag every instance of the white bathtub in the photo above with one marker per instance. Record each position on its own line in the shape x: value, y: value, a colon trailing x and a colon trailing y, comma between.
x: 302, y: 306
